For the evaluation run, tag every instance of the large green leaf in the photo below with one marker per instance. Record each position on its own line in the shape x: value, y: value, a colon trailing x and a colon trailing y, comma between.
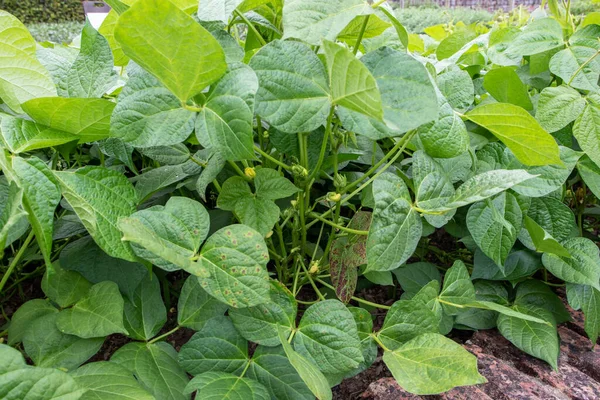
x: 396, y: 227
x: 457, y: 87
x: 217, y: 10
x: 41, y: 195
x: 168, y: 236
x: 22, y: 76
x: 156, y: 368
x: 98, y: 314
x: 293, y: 93
x: 108, y: 381
x: 587, y: 299
x: 539, y: 340
x: 590, y: 173
x: 432, y: 364
x: 540, y: 240
x: 587, y: 128
x: 271, y: 367
x: 327, y: 336
x: 87, y: 119
x: 84, y: 256
x: 195, y: 306
x: 259, y: 324
x: 163, y: 39
x: 558, y: 106
x: 235, y: 259
x: 308, y: 371
x: 412, y: 277
x: 49, y: 347
x: 495, y: 224
x: 506, y: 87
x: 146, y: 314
x: 537, y: 293
x: 63, y: 287
x: 352, y: 85
x: 553, y: 216
x: 21, y: 135
x: 519, y: 131
x: 225, y: 120
x: 217, y: 346
x: 13, y: 220
x: 457, y: 289
x: 406, y: 320
x: 100, y: 196
x: 407, y: 95
x: 20, y: 381
x: 24, y: 317
x: 221, y: 385
x: 537, y: 37
x: 107, y: 29
x: 583, y: 267
x: 314, y: 20
x: 148, y: 115
x: 433, y: 187
x: 91, y: 74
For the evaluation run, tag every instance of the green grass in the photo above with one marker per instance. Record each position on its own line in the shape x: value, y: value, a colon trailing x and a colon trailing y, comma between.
x: 55, y: 32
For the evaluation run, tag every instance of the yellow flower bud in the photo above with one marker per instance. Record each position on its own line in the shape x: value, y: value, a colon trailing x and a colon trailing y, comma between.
x: 314, y: 267
x: 250, y: 172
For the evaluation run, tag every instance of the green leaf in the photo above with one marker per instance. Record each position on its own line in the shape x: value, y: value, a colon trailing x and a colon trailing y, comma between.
x: 20, y: 381
x: 25, y: 316
x: 84, y: 256
x: 310, y: 374
x: 519, y: 131
x: 586, y: 298
x: 457, y: 87
x: 21, y: 135
x: 553, y: 216
x: 91, y: 74
x: 454, y: 42
x: 447, y: 137
x: 327, y: 336
x: 537, y: 37
x: 583, y: 267
x: 87, y: 119
x: 431, y: 364
x: 499, y: 42
x: 41, y: 195
x: 271, y: 367
x: 235, y: 258
x: 590, y: 173
x: 433, y: 187
x: 98, y: 314
x: 100, y: 196
x: 195, y: 306
x: 146, y: 314
x: 108, y: 381
x: 48, y: 347
x: 558, y: 106
x: 396, y: 227
x: 457, y: 289
x: 224, y: 123
x: 541, y: 240
x: 506, y: 87
x: 375, y: 27
x: 13, y: 218
x: 537, y: 293
x: 313, y: 20
x: 217, y: 10
x: 148, y: 115
x: 259, y: 324
x: 159, y: 178
x: 162, y: 39
x: 587, y: 129
x: 406, y: 320
x: 22, y: 76
x: 539, y: 340
x: 220, y: 385
x: 412, y: 277
x: 271, y: 185
x: 519, y: 264
x: 156, y: 368
x: 495, y: 224
x: 107, y: 29
x: 168, y: 236
x: 119, y: 150
x: 293, y: 93
x: 352, y: 85
x: 217, y: 346
x: 407, y: 95
x: 63, y: 287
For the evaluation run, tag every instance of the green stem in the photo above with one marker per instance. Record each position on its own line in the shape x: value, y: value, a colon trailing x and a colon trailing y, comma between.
x: 361, y: 34
x: 251, y: 26
x: 337, y: 226
x: 312, y: 282
x: 238, y: 170
x: 172, y: 331
x: 358, y: 299
x: 379, y: 342
x: 16, y: 260
x: 315, y: 172
x: 272, y: 159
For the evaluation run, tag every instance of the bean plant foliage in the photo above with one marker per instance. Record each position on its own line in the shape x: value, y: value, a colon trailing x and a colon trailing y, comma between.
x: 256, y: 165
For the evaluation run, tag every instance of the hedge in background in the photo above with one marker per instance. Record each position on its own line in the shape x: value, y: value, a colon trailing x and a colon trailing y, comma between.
x: 29, y: 11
